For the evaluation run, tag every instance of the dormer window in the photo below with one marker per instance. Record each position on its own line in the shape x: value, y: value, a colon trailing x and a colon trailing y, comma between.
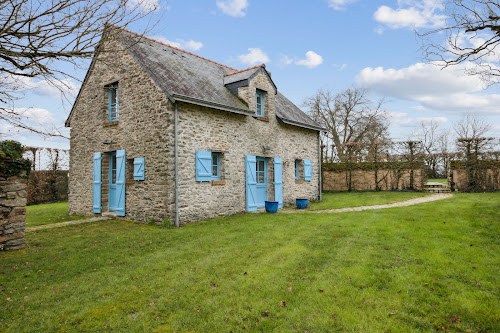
x: 259, y: 103
x: 113, y: 102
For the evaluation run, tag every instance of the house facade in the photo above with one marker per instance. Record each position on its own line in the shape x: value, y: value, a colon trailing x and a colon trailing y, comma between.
x: 157, y: 132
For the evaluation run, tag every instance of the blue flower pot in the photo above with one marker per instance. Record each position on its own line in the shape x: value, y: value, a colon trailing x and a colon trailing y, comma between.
x: 301, y: 203
x: 271, y: 206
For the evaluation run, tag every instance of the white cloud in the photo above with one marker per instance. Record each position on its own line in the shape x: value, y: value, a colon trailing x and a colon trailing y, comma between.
x: 236, y: 8
x: 312, y: 60
x: 286, y: 60
x: 340, y: 4
x: 415, y: 14
x: 401, y: 119
x: 254, y: 56
x: 190, y: 45
x: 52, y: 88
x: 34, y: 115
x: 448, y: 90
x: 144, y: 5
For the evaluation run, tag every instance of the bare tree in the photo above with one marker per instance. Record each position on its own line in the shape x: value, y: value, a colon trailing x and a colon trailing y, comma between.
x: 473, y: 144
x: 347, y: 116
x: 47, y: 39
x: 472, y: 35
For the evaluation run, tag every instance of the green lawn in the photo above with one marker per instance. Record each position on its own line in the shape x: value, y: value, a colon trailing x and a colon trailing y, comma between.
x: 410, y: 269
x: 438, y: 180
x: 48, y: 213
x: 334, y: 200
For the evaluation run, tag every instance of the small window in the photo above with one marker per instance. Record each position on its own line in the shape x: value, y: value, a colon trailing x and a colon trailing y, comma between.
x: 259, y: 103
x: 215, y: 166
x: 113, y: 102
x: 208, y: 166
x: 261, y: 172
x: 299, y: 170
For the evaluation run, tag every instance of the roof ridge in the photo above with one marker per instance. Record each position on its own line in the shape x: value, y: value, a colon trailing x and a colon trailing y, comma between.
x: 173, y: 47
x: 244, y: 70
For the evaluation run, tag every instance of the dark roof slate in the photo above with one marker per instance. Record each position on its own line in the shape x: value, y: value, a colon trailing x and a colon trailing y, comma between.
x: 190, y: 78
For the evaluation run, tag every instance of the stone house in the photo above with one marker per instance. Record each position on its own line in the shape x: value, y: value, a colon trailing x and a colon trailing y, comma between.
x: 158, y: 132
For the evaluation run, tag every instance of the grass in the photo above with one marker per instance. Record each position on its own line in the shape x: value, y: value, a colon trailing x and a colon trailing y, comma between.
x: 438, y: 180
x: 334, y: 200
x: 48, y: 213
x: 408, y: 269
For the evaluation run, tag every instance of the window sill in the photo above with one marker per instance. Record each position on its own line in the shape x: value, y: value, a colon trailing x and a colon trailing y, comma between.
x: 300, y: 181
x: 266, y: 119
x: 129, y: 182
x: 218, y: 182
x: 111, y: 123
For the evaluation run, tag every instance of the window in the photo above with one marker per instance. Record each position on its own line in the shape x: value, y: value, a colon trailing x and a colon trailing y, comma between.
x: 215, y: 166
x: 296, y: 170
x: 259, y: 103
x: 261, y: 172
x: 208, y: 166
x: 113, y: 102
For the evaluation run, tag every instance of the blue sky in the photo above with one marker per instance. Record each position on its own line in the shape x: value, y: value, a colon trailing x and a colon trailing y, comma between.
x: 308, y: 45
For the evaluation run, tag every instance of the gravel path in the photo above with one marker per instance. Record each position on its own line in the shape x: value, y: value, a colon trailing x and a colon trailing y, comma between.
x: 63, y: 224
x: 410, y: 202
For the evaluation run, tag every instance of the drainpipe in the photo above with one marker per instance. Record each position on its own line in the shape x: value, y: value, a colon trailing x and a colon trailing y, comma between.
x: 176, y: 162
x: 320, y: 162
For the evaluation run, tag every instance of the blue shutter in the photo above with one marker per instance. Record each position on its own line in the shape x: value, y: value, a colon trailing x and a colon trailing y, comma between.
x: 120, y: 183
x: 203, y: 166
x: 251, y: 182
x: 139, y: 168
x: 97, y: 183
x: 307, y: 170
x: 278, y: 181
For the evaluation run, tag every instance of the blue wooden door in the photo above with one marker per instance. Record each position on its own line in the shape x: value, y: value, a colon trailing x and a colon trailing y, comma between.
x: 120, y: 182
x: 251, y: 183
x: 261, y: 177
x: 278, y: 181
x: 112, y: 181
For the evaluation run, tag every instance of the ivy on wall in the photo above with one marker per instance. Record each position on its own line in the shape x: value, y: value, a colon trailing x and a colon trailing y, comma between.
x: 371, y: 166
x: 12, y: 162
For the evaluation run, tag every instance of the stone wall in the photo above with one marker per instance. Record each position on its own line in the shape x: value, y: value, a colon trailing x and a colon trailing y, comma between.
x: 364, y: 180
x: 489, y: 179
x: 47, y: 186
x: 12, y: 212
x: 143, y: 130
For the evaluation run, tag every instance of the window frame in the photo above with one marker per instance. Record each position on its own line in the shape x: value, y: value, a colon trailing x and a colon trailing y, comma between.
x: 113, y: 87
x: 217, y: 165
x: 259, y: 112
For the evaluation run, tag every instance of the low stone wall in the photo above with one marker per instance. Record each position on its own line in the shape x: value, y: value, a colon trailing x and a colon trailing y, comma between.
x: 364, y: 180
x: 12, y: 212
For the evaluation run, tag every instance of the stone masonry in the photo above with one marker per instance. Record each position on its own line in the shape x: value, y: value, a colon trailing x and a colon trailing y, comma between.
x: 12, y: 212
x: 145, y: 129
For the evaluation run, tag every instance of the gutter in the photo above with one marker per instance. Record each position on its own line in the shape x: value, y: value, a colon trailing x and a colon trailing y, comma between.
x: 191, y: 100
x: 296, y: 123
x: 176, y: 163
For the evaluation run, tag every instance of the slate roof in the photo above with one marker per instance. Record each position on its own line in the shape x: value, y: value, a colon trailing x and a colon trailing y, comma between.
x: 190, y: 78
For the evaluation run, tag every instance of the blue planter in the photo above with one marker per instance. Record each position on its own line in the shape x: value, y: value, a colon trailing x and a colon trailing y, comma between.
x: 301, y: 203
x: 271, y: 206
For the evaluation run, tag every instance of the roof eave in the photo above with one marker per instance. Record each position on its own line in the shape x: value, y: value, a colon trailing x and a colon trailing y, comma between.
x: 296, y: 123
x: 200, y: 102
